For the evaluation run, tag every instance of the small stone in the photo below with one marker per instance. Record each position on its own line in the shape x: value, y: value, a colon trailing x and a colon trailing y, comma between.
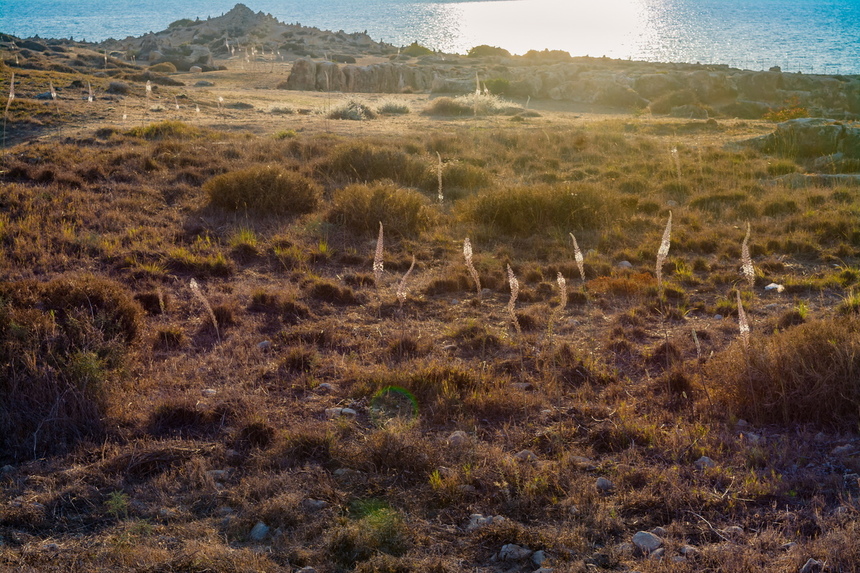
x: 218, y: 474
x: 671, y: 203
x: 259, y: 532
x: 741, y: 423
x: 718, y: 317
x: 51, y: 547
x: 265, y: 345
x: 195, y: 69
x: 225, y: 510
x: 466, y: 488
x: 704, y: 462
x: 586, y: 464
x: 202, y: 84
x: 307, y: 570
x: 544, y: 570
x: 523, y: 386
x: 486, y: 292
x: 788, y: 546
x: 458, y: 439
x: 514, y: 552
x: 526, y: 456
x: 314, y: 504
x: 538, y: 557
x: 340, y: 413
x: 647, y: 542
x: 812, y: 566
x: 657, y: 554
x: 733, y: 531
x: 7, y: 469
x: 346, y: 472
x: 625, y: 265
x: 324, y: 388
x: 603, y: 485
x: 679, y: 559
x: 477, y: 521
x: 751, y: 437
x: 842, y: 450
x: 208, y: 392
x: 660, y: 531
x: 689, y: 551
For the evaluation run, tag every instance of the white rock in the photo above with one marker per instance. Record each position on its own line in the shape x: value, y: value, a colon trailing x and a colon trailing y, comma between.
x: 259, y: 532
x: 538, y: 557
x: 195, y: 69
x: 704, y: 462
x: 458, y: 439
x: 774, y: 286
x: 477, y: 521
x: 265, y: 345
x: 307, y: 570
x: 657, y: 554
x: 340, y: 412
x: 526, y: 456
x: 603, y: 485
x: 647, y: 542
x: 842, y: 450
x: 788, y: 546
x: 513, y: 552
x: 660, y: 531
x: 209, y: 392
x: 689, y: 551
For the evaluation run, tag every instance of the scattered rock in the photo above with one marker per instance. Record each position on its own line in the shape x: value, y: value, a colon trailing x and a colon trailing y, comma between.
x: 657, y: 554
x: 660, y: 531
x: 195, y: 69
x: 340, y: 413
x: 265, y: 345
x: 718, y: 317
x: 788, y: 546
x: 539, y: 557
x: 733, y: 531
x: 812, y: 566
x: 466, y: 488
x: 647, y: 542
x: 625, y: 265
x: 477, y: 521
x: 526, y: 456
x: 604, y: 486
x: 544, y: 570
x: 51, y: 547
x: 314, y: 504
x: 458, y: 439
x: 845, y: 450
x: 7, y: 469
x: 704, y: 462
x: 307, y: 570
x: 208, y: 392
x: 584, y: 463
x: 219, y: 475
x: 689, y: 551
x: 324, y: 388
x: 204, y: 84
x: 513, y: 552
x: 259, y: 532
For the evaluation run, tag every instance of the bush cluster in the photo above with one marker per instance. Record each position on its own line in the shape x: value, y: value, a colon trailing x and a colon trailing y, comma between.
x: 266, y: 189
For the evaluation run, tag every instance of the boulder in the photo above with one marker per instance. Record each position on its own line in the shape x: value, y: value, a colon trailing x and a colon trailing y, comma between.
x: 805, y: 137
x: 712, y: 87
x: 651, y: 86
x: 647, y: 542
x: 759, y: 85
x: 303, y: 75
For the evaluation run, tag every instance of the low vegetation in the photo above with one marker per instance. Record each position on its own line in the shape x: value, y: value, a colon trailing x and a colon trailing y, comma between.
x: 238, y: 352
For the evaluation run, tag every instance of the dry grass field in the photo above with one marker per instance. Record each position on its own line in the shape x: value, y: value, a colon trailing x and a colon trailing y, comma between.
x: 214, y: 360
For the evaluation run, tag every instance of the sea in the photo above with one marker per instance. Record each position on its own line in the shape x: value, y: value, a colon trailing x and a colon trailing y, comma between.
x: 809, y: 36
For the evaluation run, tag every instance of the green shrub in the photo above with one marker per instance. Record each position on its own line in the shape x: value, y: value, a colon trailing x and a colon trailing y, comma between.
x: 60, y: 342
x: 165, y: 130
x: 182, y: 23
x: 498, y: 86
x: 524, y: 211
x: 393, y: 107
x: 163, y: 68
x: 265, y: 189
x: 484, y: 50
x: 360, y: 208
x: 366, y: 162
x: 354, y: 110
x: 416, y: 50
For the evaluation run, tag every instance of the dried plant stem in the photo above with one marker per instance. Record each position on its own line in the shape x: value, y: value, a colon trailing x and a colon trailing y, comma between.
x: 562, y: 303
x: 577, y: 255
x: 440, y: 197
x: 195, y: 288
x: 8, y: 103
x: 746, y: 260
x: 663, y: 251
x: 467, y: 254
x: 515, y: 291
x: 401, y: 288
x: 378, y: 264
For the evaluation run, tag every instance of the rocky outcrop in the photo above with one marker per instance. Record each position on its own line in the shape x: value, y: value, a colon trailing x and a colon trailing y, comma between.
x: 384, y: 77
x: 809, y: 138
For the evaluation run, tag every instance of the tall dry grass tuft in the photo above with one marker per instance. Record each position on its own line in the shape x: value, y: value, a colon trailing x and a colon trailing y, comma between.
x: 401, y: 287
x: 577, y: 255
x: 467, y: 254
x: 89, y: 93
x: 195, y: 288
x: 746, y: 260
x: 8, y: 103
x: 663, y: 251
x: 515, y: 291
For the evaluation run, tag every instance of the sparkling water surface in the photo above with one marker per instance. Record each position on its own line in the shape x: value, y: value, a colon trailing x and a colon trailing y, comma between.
x: 813, y: 36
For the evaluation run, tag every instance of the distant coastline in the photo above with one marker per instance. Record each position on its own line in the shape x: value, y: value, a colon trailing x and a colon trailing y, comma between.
x: 806, y: 36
